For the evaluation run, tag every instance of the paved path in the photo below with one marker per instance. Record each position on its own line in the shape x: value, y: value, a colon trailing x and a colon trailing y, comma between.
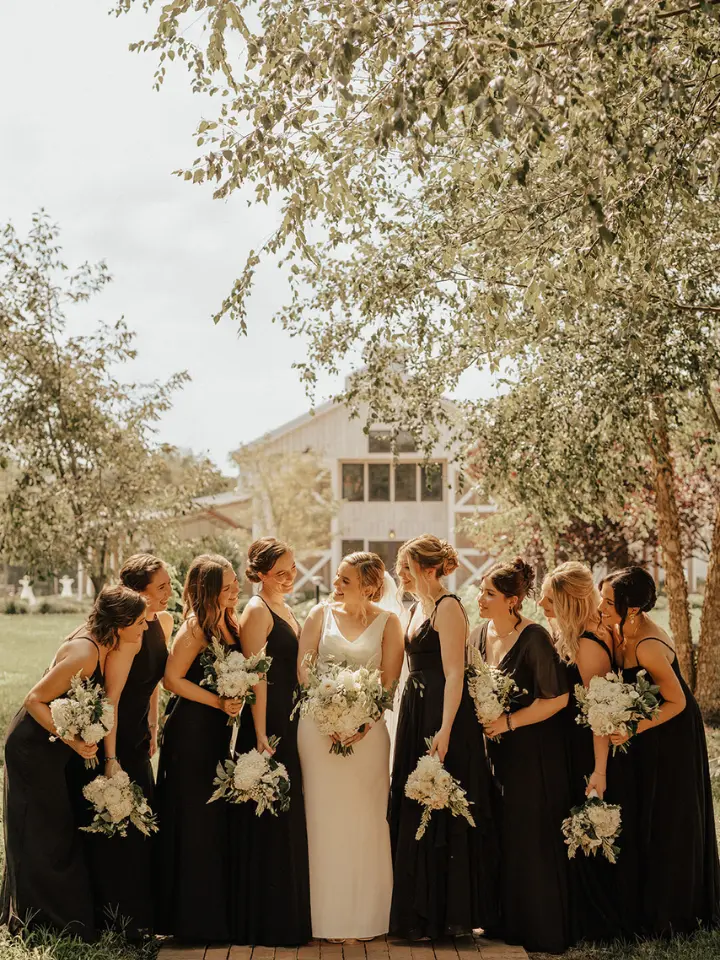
x: 461, y: 948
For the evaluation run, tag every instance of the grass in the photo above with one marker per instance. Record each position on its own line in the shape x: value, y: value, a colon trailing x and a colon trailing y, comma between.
x: 27, y: 645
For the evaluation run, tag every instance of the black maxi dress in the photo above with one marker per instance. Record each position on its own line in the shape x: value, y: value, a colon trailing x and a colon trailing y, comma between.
x: 446, y: 883
x: 272, y: 892
x: 532, y: 773
x: 46, y: 880
x: 194, y: 871
x: 596, y: 912
x: 122, y: 867
x: 677, y: 859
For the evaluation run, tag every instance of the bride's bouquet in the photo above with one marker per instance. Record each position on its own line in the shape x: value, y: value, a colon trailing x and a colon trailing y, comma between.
x: 593, y: 827
x: 433, y: 787
x: 608, y: 705
x: 118, y: 803
x: 492, y: 691
x: 231, y: 675
x: 341, y: 700
x: 84, y: 712
x: 254, y: 776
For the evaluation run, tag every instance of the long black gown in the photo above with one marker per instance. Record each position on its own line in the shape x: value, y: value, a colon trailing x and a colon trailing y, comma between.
x: 272, y: 892
x: 596, y: 913
x: 46, y: 880
x: 194, y: 851
x: 446, y: 883
x: 532, y: 773
x: 122, y: 867
x: 679, y: 874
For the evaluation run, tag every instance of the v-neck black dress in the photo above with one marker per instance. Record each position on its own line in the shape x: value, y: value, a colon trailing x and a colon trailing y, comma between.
x: 531, y: 767
x: 272, y: 876
x: 446, y: 883
x: 46, y: 880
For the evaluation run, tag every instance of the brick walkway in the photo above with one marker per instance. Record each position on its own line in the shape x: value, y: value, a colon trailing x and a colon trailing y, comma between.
x: 461, y: 948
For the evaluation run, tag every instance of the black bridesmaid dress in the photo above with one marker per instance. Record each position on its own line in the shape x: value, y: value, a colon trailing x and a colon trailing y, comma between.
x: 446, y: 883
x: 272, y: 892
x: 46, y: 880
x: 677, y: 857
x: 122, y: 867
x: 596, y: 913
x: 531, y: 767
x: 194, y: 855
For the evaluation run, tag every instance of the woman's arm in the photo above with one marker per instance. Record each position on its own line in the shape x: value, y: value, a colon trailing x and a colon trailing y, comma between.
x: 188, y: 644
x: 310, y: 640
x: 662, y: 673
x: 255, y: 625
x: 117, y: 668
x: 451, y: 625
x: 594, y: 661
x: 78, y: 656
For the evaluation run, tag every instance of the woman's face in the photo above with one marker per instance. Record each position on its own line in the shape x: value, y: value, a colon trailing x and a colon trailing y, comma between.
x: 492, y: 603
x: 230, y: 590
x: 158, y: 591
x: 610, y: 616
x: 546, y: 602
x: 282, y: 574
x: 405, y: 575
x: 347, y: 587
x: 134, y: 632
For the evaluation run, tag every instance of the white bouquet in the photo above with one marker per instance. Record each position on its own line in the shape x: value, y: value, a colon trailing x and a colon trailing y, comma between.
x: 84, y: 712
x: 118, y: 803
x: 433, y: 787
x: 608, y: 705
x: 231, y: 675
x: 491, y: 690
x: 341, y: 700
x: 254, y: 776
x: 594, y: 826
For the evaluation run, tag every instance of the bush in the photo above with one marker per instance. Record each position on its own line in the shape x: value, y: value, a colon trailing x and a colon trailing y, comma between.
x: 64, y: 605
x: 14, y: 606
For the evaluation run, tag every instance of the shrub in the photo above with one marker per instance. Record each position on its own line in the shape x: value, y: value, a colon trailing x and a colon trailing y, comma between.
x: 14, y: 606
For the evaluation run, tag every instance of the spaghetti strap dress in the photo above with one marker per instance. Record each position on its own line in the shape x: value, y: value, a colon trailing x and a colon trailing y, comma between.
x: 46, y: 880
x: 446, y: 883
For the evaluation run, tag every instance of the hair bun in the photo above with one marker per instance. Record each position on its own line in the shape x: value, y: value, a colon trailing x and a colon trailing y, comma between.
x: 252, y: 574
x: 450, y: 558
x: 526, y: 572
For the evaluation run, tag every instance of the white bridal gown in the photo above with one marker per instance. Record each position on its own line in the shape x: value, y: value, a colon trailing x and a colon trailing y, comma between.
x: 346, y: 801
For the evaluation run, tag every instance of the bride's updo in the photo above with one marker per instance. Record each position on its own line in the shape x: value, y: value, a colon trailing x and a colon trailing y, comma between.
x: 371, y: 571
x: 430, y: 552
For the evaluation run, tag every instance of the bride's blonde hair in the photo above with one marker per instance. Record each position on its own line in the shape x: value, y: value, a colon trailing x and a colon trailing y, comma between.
x: 576, y: 600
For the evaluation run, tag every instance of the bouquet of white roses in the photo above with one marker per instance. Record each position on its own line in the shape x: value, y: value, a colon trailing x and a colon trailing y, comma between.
x: 84, y: 712
x: 118, y: 803
x: 491, y: 690
x: 433, y: 787
x: 594, y: 826
x: 608, y: 705
x: 254, y: 776
x: 341, y: 700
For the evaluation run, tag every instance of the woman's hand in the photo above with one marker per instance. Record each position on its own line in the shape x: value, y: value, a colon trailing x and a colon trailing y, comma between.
x: 263, y: 746
x: 231, y: 706
x: 494, y: 729
x: 440, y: 744
x: 356, y: 737
x: 86, y: 750
x: 598, y: 783
x: 112, y: 767
x: 618, y: 739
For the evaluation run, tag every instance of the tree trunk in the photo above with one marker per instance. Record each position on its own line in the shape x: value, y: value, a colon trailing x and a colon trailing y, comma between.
x: 671, y: 545
x: 707, y: 688
x: 98, y: 581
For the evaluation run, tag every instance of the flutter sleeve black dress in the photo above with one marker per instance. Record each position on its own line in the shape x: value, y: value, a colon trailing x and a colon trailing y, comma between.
x: 46, y: 880
x: 272, y: 888
x: 532, y: 773
x: 122, y: 867
x: 446, y: 883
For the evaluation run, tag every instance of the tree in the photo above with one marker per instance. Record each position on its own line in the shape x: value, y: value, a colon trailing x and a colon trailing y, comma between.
x: 84, y: 480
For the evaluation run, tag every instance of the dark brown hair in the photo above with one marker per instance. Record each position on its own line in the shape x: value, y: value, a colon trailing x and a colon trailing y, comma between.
x: 201, y: 592
x: 114, y: 608
x: 512, y: 579
x: 263, y: 554
x: 371, y: 571
x: 633, y: 587
x: 138, y: 570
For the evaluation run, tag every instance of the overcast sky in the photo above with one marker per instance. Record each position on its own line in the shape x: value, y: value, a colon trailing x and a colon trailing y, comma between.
x: 84, y: 135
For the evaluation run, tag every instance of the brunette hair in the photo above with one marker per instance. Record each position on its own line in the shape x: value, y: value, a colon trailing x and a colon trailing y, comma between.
x: 114, y: 608
x: 512, y: 579
x: 633, y: 587
x: 575, y: 599
x: 201, y: 592
x: 263, y: 554
x: 138, y: 571
x: 371, y: 571
x: 429, y: 551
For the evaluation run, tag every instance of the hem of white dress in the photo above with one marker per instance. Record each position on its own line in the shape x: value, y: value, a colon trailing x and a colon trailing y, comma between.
x: 343, y: 935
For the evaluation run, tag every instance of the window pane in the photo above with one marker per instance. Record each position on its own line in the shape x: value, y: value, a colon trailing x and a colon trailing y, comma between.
x: 380, y: 440
x: 353, y: 481
x: 387, y: 550
x: 379, y: 482
x: 405, y: 442
x: 352, y: 546
x: 431, y: 482
x: 405, y: 481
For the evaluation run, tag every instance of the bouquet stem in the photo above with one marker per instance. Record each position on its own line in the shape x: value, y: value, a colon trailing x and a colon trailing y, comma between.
x: 235, y: 721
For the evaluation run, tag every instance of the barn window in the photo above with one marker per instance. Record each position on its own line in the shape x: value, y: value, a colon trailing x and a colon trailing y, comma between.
x: 431, y: 481
x: 353, y: 481
x: 379, y: 481
x: 405, y: 481
x: 381, y: 441
x: 352, y: 546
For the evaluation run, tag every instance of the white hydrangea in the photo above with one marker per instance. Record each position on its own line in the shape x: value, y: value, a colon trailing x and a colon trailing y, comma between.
x: 593, y: 827
x: 249, y: 768
x: 490, y: 688
x: 434, y: 788
x: 118, y: 804
x: 609, y: 706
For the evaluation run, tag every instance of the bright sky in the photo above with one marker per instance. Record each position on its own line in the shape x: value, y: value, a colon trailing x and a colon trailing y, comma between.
x: 85, y: 136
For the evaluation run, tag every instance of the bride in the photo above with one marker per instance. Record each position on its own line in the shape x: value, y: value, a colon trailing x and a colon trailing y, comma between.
x: 346, y: 797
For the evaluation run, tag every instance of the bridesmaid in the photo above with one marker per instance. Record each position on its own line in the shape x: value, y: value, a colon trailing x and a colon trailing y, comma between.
x: 679, y: 875
x: 122, y: 866
x: 570, y: 600
x: 446, y: 883
x: 528, y: 752
x: 46, y: 880
x: 195, y: 866
x: 274, y: 883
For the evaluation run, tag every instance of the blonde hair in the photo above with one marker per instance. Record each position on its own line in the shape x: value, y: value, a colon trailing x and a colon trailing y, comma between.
x: 371, y: 571
x: 427, y: 552
x: 576, y: 600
